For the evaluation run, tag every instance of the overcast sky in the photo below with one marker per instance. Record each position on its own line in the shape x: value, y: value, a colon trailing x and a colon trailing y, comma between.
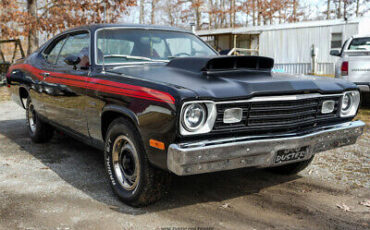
x: 314, y: 9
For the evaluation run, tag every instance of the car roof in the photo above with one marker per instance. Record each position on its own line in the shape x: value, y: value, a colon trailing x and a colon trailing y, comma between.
x: 94, y: 27
x: 361, y: 35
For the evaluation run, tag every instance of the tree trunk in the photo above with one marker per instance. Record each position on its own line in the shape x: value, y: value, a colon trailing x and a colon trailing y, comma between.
x: 222, y: 13
x: 254, y: 12
x: 152, y: 14
x: 357, y: 7
x: 339, y: 14
x: 33, y: 41
x: 232, y: 13
x: 258, y: 13
x: 328, y: 12
x: 294, y: 10
x: 141, y: 19
x: 344, y: 9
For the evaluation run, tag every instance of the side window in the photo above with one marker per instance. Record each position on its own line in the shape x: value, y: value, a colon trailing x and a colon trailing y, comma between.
x: 77, y: 45
x: 52, y: 56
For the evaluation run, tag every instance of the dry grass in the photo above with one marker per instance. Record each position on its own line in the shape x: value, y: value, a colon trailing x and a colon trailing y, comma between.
x: 4, y: 94
x: 364, y: 115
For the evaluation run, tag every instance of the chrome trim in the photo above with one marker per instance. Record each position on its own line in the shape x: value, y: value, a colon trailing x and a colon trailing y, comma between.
x: 282, y: 98
x: 255, y: 151
x: 67, y: 34
x: 254, y: 99
x: 208, y: 124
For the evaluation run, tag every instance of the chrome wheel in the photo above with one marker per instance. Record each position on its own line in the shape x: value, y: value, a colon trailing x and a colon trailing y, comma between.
x: 31, y: 118
x: 125, y: 162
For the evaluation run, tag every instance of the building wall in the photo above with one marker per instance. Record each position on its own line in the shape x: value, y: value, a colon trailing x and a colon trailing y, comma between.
x: 294, y: 45
x: 224, y: 41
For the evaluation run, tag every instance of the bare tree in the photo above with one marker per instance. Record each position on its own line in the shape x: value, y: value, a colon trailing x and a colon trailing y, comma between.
x: 152, y: 13
x: 141, y: 17
x: 33, y: 41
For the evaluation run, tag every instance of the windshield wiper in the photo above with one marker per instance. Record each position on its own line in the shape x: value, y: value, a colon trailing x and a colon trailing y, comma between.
x: 133, y: 57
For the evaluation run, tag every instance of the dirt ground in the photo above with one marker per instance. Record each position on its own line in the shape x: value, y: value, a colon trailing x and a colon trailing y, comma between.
x: 62, y: 185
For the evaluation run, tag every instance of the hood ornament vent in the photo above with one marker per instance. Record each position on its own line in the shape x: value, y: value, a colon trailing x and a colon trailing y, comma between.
x: 223, y: 64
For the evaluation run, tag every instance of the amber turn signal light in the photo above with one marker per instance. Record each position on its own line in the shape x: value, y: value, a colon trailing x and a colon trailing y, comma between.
x: 156, y: 144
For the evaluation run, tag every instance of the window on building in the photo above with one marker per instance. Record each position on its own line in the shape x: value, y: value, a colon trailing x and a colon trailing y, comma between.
x: 336, y: 40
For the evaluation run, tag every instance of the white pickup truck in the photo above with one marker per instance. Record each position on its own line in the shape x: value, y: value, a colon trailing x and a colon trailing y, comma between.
x: 354, y: 62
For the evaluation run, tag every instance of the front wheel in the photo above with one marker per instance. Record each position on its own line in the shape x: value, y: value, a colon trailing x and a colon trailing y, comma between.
x: 38, y: 130
x: 132, y: 178
x: 290, y: 169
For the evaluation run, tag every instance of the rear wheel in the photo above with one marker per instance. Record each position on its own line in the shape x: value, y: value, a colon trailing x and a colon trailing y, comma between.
x: 132, y: 178
x: 290, y: 169
x: 38, y: 130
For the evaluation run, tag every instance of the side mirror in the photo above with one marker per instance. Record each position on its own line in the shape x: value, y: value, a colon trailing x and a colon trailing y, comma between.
x: 334, y: 52
x: 72, y: 60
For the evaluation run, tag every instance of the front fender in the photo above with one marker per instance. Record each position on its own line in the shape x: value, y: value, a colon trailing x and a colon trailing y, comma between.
x: 122, y: 110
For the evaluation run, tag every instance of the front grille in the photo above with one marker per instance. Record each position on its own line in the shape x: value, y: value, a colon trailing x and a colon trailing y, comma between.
x: 277, y: 116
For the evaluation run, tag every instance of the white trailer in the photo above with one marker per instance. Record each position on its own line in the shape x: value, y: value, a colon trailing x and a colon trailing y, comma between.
x: 291, y: 44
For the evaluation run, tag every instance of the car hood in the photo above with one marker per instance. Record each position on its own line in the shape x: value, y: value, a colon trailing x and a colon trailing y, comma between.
x: 238, y: 84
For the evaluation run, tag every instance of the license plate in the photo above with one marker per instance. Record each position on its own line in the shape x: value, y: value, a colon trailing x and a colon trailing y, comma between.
x: 290, y: 154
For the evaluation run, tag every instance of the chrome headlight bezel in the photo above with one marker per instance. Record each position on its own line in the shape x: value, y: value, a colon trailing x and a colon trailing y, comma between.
x: 353, y: 102
x: 208, y: 123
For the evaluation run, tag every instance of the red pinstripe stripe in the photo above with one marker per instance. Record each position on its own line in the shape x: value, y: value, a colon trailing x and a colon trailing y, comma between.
x: 100, y: 85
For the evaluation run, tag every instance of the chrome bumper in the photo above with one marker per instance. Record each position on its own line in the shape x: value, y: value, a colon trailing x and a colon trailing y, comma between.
x: 255, y: 151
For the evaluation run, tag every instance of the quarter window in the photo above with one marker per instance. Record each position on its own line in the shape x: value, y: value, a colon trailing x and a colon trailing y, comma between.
x: 52, y: 56
x: 77, y: 45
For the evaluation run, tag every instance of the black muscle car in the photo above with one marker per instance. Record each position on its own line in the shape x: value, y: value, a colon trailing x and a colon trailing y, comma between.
x: 160, y: 101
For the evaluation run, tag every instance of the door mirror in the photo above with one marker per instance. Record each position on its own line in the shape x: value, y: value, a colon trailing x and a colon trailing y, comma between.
x: 334, y: 53
x: 72, y: 60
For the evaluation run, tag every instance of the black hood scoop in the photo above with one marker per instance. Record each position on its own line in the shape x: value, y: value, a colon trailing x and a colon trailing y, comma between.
x: 223, y: 64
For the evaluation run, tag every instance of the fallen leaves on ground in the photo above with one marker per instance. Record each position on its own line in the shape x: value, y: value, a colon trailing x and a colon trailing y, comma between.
x: 226, y: 205
x: 344, y: 207
x: 365, y: 203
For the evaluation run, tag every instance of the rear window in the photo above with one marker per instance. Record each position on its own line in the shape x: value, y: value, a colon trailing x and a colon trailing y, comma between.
x: 360, y: 44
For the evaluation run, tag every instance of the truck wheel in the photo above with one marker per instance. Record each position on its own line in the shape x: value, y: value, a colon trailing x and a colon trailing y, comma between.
x: 290, y: 169
x: 131, y: 177
x: 38, y: 130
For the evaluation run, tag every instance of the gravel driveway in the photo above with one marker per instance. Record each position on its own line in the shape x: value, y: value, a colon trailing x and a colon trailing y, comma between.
x: 62, y: 185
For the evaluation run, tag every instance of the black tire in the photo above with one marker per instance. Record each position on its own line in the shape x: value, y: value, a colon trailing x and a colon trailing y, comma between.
x: 39, y: 131
x: 133, y: 179
x: 365, y: 99
x: 290, y: 169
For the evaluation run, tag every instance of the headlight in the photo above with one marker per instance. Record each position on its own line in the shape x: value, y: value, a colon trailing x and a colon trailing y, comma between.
x: 194, y: 116
x: 197, y: 117
x: 350, y: 103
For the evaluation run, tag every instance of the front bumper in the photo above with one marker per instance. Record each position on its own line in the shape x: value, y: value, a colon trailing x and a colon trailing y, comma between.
x: 255, y: 151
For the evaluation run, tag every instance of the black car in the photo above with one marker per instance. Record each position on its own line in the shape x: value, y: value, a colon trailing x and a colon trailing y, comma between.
x: 160, y: 101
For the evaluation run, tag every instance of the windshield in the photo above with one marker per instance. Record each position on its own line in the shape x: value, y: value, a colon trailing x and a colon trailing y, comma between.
x: 360, y: 44
x: 136, y: 45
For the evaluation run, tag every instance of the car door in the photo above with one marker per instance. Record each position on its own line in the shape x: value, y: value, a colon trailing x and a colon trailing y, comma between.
x: 67, y: 84
x: 46, y: 90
